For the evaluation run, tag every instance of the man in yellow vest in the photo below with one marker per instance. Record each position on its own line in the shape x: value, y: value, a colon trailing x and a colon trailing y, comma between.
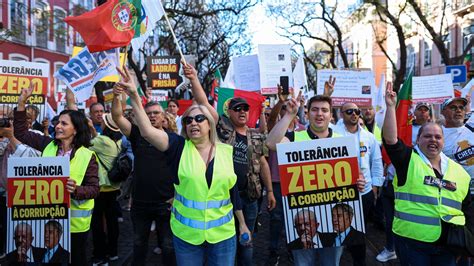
x: 319, y: 115
x: 431, y: 193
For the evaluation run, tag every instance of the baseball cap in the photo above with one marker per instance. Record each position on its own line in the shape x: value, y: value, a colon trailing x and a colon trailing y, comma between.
x: 234, y: 102
x: 448, y: 101
x: 422, y: 104
x: 110, y: 123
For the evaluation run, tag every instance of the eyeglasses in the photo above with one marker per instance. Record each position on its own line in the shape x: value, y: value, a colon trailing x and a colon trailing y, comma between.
x: 350, y: 111
x: 454, y: 108
x: 153, y: 113
x: 240, y: 108
x: 198, y: 118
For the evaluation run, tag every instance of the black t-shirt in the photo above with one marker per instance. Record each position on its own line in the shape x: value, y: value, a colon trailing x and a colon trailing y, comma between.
x: 291, y: 134
x: 152, y: 178
x: 241, y: 162
x: 174, y: 152
x: 400, y: 155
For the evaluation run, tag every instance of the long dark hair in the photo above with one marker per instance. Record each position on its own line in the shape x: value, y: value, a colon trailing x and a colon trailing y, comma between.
x: 80, y: 123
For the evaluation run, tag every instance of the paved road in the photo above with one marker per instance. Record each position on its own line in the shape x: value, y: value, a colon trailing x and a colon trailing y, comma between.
x: 375, y: 242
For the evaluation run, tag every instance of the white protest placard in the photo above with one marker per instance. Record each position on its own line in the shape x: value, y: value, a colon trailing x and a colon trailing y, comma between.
x: 38, y: 210
x: 274, y: 62
x: 354, y: 86
x: 432, y: 89
x: 159, y: 95
x: 246, y: 73
x: 86, y: 69
x: 319, y: 183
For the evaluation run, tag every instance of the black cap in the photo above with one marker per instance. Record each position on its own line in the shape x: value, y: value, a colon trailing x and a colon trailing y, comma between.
x: 234, y: 102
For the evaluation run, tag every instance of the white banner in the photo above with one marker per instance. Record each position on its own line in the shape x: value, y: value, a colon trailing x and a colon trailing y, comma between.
x: 86, y: 69
x: 299, y: 76
x: 351, y: 86
x: 246, y: 73
x: 274, y: 62
x: 432, y: 89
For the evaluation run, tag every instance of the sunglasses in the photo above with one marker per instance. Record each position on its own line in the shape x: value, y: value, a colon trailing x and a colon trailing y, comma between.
x: 240, y: 108
x: 198, y: 118
x: 351, y: 111
x: 454, y: 108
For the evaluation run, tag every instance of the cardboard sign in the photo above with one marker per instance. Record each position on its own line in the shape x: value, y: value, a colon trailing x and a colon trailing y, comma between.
x: 320, y: 197
x: 163, y: 72
x: 16, y: 75
x: 38, y: 210
x: 351, y: 86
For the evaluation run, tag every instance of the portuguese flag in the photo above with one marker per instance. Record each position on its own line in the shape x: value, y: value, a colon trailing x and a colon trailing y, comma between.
x: 404, y: 118
x: 254, y: 99
x: 109, y: 25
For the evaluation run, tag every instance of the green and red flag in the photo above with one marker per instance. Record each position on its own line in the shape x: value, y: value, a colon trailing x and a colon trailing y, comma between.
x: 216, y: 83
x: 404, y: 117
x: 467, y: 61
x: 254, y: 100
x: 109, y: 25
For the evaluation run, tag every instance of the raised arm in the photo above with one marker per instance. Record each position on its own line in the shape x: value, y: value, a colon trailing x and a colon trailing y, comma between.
x: 389, y: 130
x: 70, y: 100
x: 117, y: 112
x: 156, y: 137
x: 198, y: 92
x: 277, y: 134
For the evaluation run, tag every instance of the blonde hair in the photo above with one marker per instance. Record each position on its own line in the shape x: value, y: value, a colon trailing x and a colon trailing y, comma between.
x: 210, y: 119
x: 172, y: 127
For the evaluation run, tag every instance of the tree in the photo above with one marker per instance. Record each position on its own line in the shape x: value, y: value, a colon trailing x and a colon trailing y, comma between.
x: 212, y: 31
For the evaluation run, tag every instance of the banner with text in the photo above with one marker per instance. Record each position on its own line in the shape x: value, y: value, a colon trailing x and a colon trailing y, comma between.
x: 354, y: 86
x: 274, y: 61
x: 432, y: 89
x: 246, y: 73
x: 322, y: 205
x: 86, y: 69
x: 163, y: 72
x: 16, y: 75
x: 38, y: 210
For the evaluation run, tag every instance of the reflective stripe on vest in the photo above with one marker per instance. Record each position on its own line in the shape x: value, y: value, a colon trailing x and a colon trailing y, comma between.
x: 81, y: 210
x: 200, y: 205
x: 201, y: 213
x: 420, y: 207
x: 416, y: 218
x: 203, y: 225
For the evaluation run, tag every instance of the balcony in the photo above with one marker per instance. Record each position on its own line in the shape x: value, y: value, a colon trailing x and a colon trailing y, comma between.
x: 463, y: 7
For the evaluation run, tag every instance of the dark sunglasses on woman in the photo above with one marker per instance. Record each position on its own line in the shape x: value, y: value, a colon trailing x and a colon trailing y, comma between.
x: 198, y: 118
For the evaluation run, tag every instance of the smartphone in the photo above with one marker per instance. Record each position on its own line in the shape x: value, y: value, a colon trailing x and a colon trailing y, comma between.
x: 284, y: 83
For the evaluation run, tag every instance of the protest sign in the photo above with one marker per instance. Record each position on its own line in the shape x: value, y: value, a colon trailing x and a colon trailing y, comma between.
x: 274, y: 62
x: 86, y: 69
x: 159, y: 95
x: 432, y: 89
x: 163, y: 72
x: 38, y: 209
x: 61, y: 99
x: 16, y: 75
x: 354, y: 86
x: 246, y: 73
x: 111, y: 78
x: 320, y: 197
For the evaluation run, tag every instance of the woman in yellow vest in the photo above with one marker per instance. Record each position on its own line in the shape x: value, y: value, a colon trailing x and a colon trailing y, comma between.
x: 72, y: 137
x: 431, y: 194
x: 206, y: 197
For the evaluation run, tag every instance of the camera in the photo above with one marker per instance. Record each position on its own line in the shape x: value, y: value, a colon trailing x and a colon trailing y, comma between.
x: 4, y: 122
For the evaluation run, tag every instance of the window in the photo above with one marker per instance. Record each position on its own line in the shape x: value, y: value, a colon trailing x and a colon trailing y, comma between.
x: 42, y: 13
x: 60, y: 34
x: 427, y: 54
x: 18, y: 18
x: 18, y: 57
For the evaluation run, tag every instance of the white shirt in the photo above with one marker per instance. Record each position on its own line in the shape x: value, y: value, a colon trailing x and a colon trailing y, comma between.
x: 459, y: 146
x: 370, y: 158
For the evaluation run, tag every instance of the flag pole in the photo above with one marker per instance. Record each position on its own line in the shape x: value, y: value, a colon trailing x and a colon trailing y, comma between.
x: 175, y: 39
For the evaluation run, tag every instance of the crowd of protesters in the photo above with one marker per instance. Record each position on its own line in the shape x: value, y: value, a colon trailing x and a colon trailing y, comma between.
x: 198, y: 179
